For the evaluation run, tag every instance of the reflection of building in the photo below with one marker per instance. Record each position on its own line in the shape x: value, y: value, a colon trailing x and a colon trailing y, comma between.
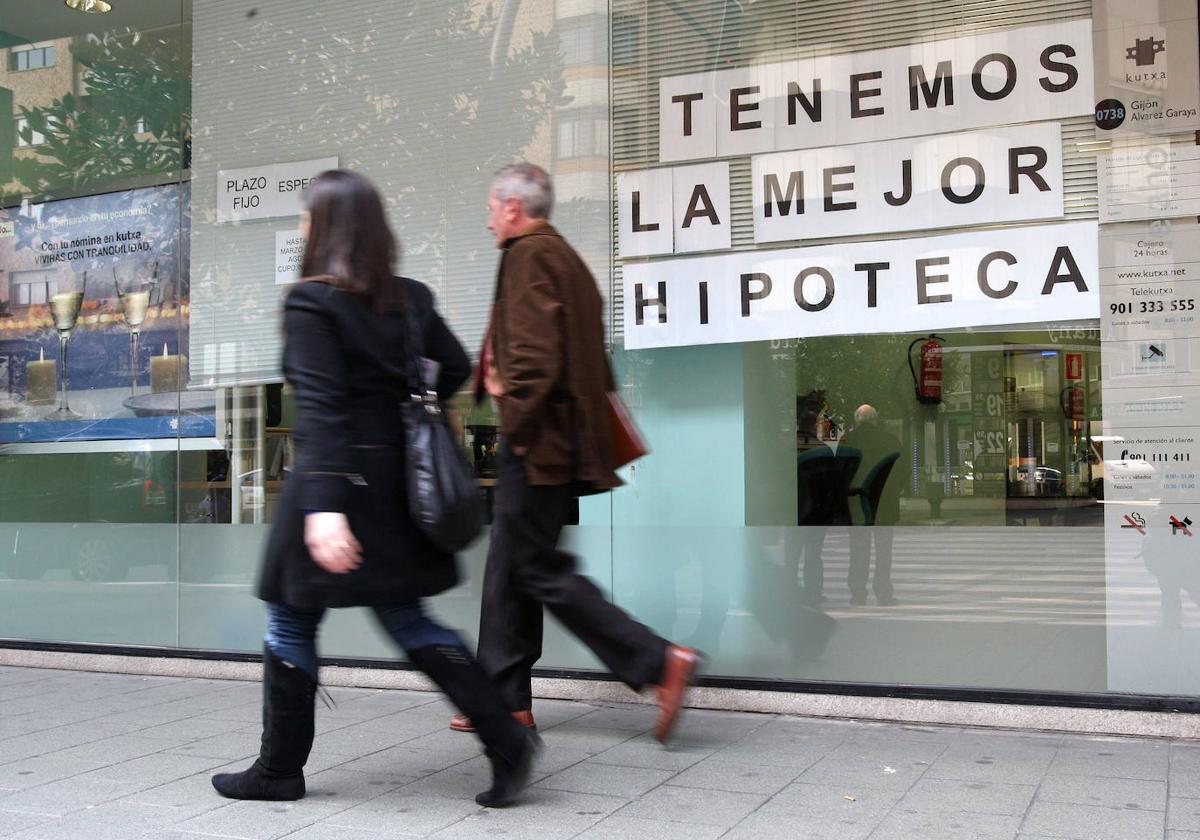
x: 32, y: 75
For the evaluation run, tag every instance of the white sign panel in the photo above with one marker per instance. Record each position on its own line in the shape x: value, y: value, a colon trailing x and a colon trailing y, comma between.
x: 1142, y: 179
x: 1147, y: 66
x: 1011, y: 276
x: 1000, y: 175
x: 289, y: 254
x: 270, y: 191
x: 680, y: 210
x: 1029, y: 74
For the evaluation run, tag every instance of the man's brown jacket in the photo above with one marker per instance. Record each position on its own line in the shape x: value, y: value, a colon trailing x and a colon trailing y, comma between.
x: 548, y: 347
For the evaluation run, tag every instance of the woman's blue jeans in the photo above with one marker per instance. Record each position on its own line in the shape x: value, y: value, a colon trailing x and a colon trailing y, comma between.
x: 292, y: 633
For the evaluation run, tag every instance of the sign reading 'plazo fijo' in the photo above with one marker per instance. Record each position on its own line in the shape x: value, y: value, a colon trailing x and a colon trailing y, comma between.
x: 855, y: 145
x: 269, y: 191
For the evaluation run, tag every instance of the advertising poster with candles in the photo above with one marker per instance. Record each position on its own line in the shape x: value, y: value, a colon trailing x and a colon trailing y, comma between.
x: 93, y: 313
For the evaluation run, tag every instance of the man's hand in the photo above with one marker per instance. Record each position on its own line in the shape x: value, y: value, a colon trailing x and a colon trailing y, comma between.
x: 492, y: 382
x: 331, y: 543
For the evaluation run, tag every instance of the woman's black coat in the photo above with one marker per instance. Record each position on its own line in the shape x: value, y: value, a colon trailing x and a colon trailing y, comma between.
x: 343, y: 361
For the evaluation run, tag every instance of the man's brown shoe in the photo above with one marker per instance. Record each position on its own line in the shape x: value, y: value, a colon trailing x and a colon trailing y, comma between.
x: 679, y: 667
x: 462, y: 723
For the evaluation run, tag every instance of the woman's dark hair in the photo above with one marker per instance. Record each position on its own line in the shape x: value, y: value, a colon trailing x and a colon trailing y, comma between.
x: 349, y: 241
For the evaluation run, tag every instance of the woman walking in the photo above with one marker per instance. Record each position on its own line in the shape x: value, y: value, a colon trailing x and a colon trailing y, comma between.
x: 343, y: 536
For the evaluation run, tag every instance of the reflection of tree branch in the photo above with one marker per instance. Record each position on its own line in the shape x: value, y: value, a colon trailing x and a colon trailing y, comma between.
x: 503, y: 35
x: 132, y: 122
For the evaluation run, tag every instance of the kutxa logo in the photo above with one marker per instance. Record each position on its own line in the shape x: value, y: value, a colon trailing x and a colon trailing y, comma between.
x: 1145, y: 50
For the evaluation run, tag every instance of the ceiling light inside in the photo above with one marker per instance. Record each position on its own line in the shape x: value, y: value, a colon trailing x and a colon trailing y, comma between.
x: 92, y: 6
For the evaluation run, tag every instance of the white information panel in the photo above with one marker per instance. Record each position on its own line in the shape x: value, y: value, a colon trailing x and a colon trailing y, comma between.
x: 951, y: 180
x: 1028, y: 74
x: 289, y: 254
x: 1011, y: 276
x: 1149, y: 178
x: 1147, y: 66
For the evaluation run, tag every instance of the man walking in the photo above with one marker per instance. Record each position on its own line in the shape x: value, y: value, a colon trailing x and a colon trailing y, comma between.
x: 543, y: 361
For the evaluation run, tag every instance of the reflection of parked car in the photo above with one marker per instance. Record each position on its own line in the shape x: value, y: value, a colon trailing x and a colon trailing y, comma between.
x: 88, y: 551
x: 1047, y: 480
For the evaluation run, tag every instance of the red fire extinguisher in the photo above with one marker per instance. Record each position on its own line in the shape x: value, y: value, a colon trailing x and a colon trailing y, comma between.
x: 927, y: 385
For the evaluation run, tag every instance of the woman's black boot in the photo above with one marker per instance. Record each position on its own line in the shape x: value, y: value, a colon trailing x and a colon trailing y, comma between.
x: 278, y: 774
x: 509, y: 746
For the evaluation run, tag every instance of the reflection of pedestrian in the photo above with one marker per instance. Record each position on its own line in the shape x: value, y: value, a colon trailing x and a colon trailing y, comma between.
x: 343, y: 537
x: 880, y: 494
x: 1174, y: 571
x: 544, y: 363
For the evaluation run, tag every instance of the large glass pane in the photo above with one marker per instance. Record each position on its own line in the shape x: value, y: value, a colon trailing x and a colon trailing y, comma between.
x: 839, y: 496
x: 93, y: 242
x: 482, y: 85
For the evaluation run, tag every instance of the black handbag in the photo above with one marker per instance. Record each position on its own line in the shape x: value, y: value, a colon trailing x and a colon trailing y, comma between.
x: 443, y: 499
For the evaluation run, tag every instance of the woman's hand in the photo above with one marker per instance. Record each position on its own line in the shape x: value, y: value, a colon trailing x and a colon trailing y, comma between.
x: 331, y: 543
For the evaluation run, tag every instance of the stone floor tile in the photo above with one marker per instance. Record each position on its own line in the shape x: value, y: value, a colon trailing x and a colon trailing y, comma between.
x: 1088, y: 822
x: 852, y: 768
x: 1133, y: 794
x: 549, y: 713
x: 1183, y: 813
x: 324, y: 831
x: 554, y: 759
x: 550, y: 812
x: 156, y: 769
x: 908, y: 825
x: 986, y: 760
x: 693, y: 805
x: 345, y: 787
x: 227, y: 746
x: 646, y: 752
x: 589, y: 739
x: 402, y: 811
x: 820, y: 812
x: 606, y: 779
x: 113, y: 750
x: 67, y: 796
x: 798, y: 748
x: 618, y: 827
x: 403, y: 760
x: 188, y: 797
x: 630, y: 718
x: 460, y: 781
x: 443, y: 742
x: 259, y: 820
x: 13, y: 821
x: 958, y: 796
x: 357, y: 739
x: 481, y: 828
x: 719, y: 773
x: 1121, y: 759
x: 1182, y: 835
x: 109, y: 821
x: 31, y: 772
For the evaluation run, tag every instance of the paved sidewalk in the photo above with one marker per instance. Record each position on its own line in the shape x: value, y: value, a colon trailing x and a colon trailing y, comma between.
x: 113, y: 757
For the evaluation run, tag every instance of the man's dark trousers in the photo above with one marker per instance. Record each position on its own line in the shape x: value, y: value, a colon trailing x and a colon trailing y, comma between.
x: 526, y: 571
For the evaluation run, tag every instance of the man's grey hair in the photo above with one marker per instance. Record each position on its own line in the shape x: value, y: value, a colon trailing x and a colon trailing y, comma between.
x: 865, y: 414
x: 529, y: 184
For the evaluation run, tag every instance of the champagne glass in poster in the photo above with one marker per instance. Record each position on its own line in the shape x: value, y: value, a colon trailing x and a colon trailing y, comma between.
x: 66, y: 293
x: 132, y: 247
x: 136, y: 284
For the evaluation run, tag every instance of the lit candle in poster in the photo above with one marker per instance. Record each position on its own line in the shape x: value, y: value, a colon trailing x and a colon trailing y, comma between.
x: 167, y: 372
x: 41, y: 378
